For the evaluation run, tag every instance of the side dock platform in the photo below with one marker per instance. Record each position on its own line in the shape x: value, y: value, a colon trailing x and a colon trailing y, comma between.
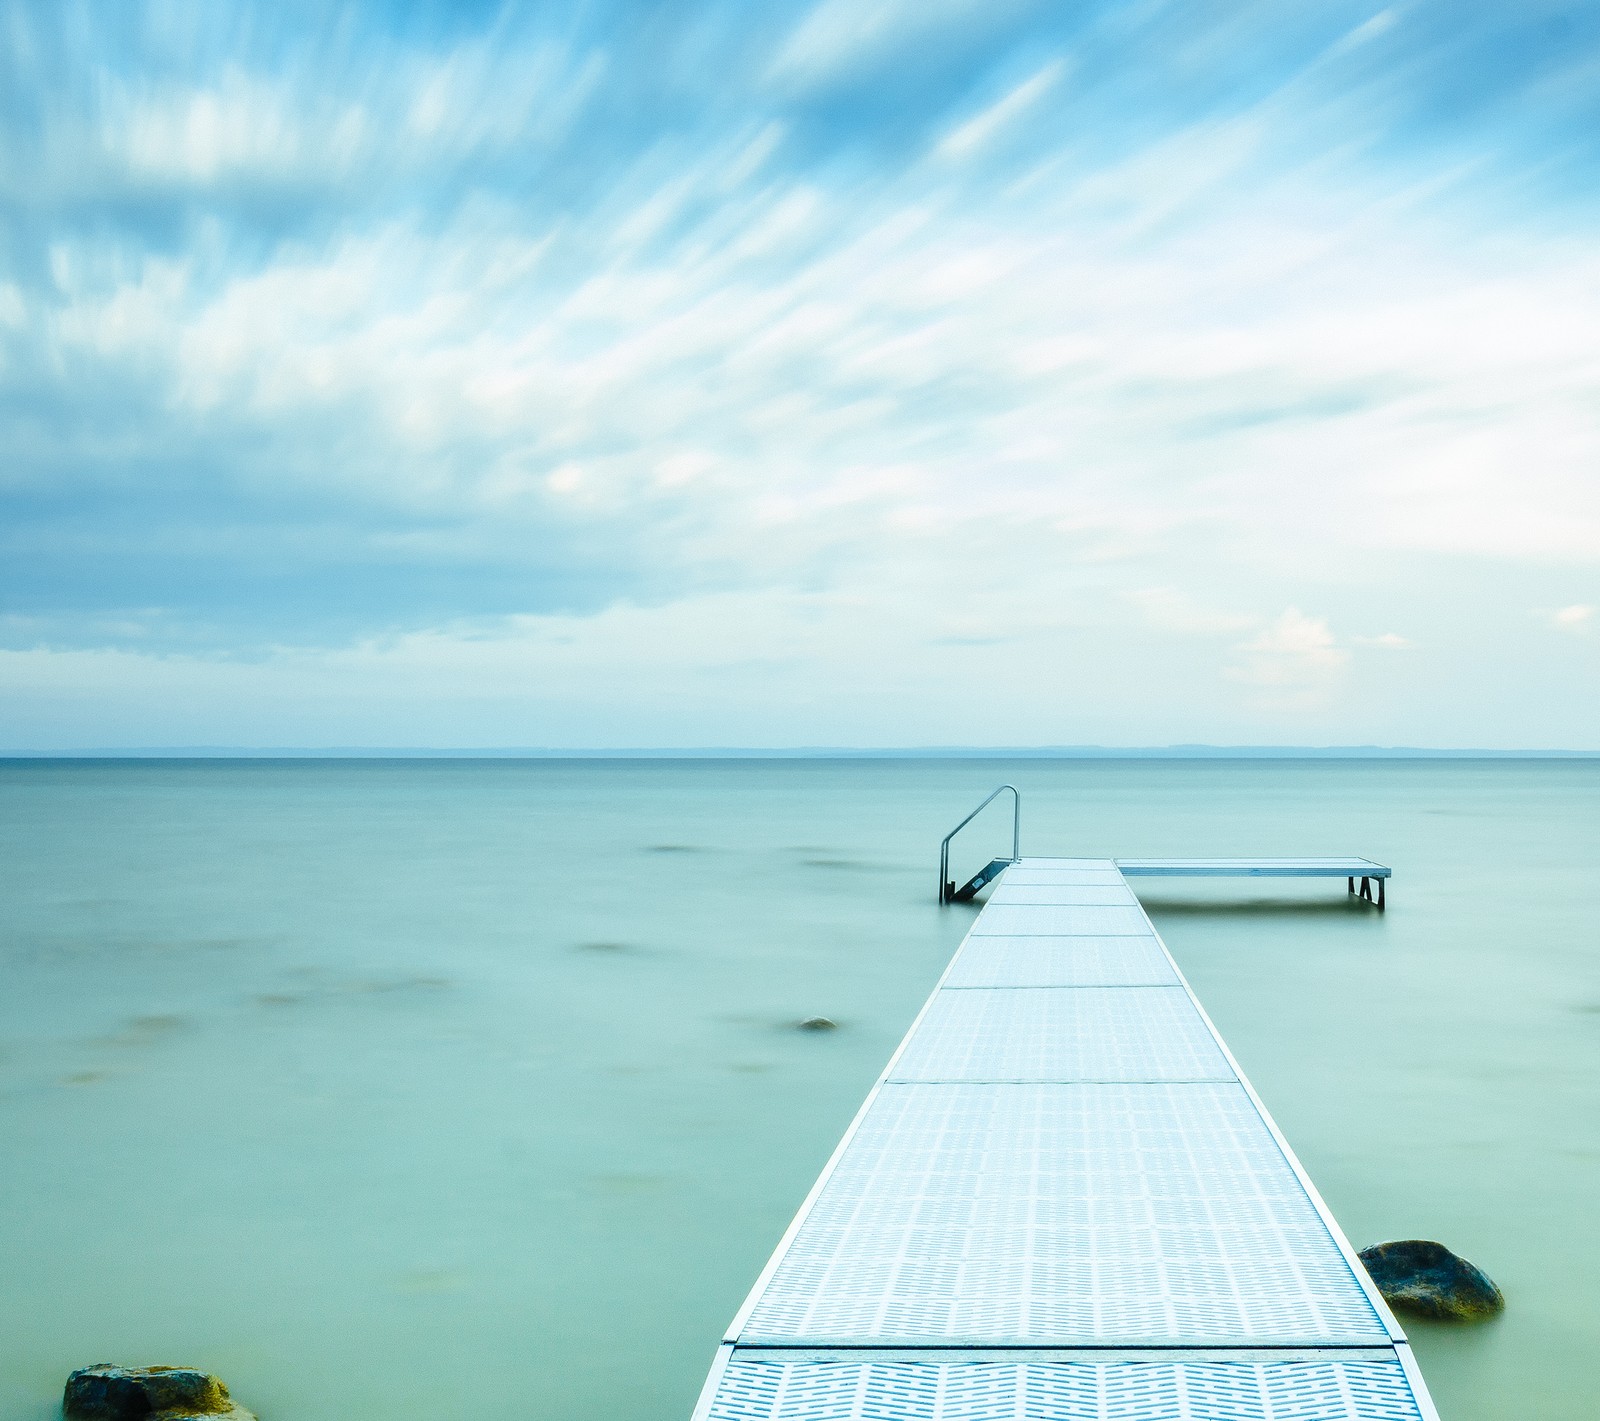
x: 1062, y: 1201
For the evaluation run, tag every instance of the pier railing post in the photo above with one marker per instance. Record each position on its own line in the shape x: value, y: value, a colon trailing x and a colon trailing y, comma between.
x: 947, y: 887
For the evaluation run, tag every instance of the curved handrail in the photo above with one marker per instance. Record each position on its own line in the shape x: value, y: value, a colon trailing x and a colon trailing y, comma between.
x: 946, y: 888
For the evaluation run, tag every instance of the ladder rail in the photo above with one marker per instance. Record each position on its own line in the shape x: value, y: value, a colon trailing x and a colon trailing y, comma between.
x: 946, y: 887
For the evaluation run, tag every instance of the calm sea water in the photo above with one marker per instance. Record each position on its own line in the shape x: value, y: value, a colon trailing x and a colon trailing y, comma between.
x: 433, y: 1089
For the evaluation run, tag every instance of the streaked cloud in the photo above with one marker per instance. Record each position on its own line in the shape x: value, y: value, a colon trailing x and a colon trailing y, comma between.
x: 975, y: 133
x: 840, y: 35
x: 849, y: 349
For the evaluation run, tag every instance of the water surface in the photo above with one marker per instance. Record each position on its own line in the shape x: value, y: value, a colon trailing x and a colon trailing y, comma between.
x: 424, y: 1089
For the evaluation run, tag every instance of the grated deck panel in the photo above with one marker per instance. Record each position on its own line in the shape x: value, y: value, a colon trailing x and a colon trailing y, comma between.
x: 1065, y: 877
x: 1368, y: 1387
x: 1085, y: 1215
x: 1062, y: 1034
x: 1065, y: 895
x: 1061, y: 1164
x: 1061, y: 962
x: 1058, y: 920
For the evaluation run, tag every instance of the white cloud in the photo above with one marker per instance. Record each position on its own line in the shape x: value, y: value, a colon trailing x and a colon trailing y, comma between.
x: 839, y: 33
x: 978, y: 131
x: 1577, y: 618
x: 1295, y: 659
x: 910, y: 369
x: 13, y: 307
x: 1069, y: 405
x: 1368, y: 30
x: 241, y: 125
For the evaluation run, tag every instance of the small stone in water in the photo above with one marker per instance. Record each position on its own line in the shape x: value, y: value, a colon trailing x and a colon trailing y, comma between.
x: 105, y: 1392
x: 818, y: 1023
x: 1427, y: 1278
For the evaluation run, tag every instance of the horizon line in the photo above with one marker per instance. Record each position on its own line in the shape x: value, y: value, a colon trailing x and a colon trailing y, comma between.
x: 1185, y: 750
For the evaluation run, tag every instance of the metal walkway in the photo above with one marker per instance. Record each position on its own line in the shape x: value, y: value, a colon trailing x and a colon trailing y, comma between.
x: 1348, y: 869
x: 1063, y: 1202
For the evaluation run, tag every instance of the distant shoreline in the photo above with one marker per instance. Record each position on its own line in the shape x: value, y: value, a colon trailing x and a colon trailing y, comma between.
x: 940, y: 752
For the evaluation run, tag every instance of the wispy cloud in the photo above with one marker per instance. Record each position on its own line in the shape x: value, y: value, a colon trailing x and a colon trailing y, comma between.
x: 840, y: 35
x: 1296, y: 659
x: 975, y: 133
x: 1059, y: 337
x: 1578, y: 618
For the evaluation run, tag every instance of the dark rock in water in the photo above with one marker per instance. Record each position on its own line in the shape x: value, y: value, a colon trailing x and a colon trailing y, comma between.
x: 1428, y: 1279
x: 818, y: 1023
x: 105, y: 1392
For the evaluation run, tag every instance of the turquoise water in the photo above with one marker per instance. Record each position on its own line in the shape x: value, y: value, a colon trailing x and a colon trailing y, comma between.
x: 430, y: 1089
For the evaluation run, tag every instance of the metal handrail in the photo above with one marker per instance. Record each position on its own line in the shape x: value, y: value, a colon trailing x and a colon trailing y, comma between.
x: 1016, y: 836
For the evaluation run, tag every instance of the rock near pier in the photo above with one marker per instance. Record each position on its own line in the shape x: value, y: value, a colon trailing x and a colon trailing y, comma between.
x: 105, y: 1392
x: 1427, y: 1278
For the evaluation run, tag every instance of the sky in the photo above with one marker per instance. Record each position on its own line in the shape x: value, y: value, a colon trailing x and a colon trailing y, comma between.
x: 854, y: 373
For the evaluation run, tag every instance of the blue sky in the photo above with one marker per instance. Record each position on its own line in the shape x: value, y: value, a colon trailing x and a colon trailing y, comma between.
x: 889, y: 372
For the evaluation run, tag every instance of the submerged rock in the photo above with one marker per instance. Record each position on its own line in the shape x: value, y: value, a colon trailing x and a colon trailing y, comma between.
x: 105, y: 1392
x: 1428, y: 1279
x: 818, y: 1023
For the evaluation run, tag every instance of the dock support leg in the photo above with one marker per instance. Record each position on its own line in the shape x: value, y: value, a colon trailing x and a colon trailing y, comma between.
x: 1381, y: 882
x: 1350, y: 885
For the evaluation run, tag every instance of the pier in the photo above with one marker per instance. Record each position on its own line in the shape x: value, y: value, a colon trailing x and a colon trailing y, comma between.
x: 1063, y: 1201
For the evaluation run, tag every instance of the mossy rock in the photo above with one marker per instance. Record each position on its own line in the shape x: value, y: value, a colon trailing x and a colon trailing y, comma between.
x: 1417, y: 1275
x: 106, y: 1392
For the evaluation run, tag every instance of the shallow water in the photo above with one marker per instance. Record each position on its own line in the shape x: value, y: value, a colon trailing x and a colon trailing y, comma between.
x: 415, y: 1089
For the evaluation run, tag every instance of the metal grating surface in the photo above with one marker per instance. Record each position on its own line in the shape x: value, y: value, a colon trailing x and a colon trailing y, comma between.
x: 1061, y: 962
x: 1062, y: 1162
x: 1062, y: 1034
x: 1063, y: 1215
x: 1097, y: 865
x: 1064, y: 877
x: 1368, y: 1388
x: 1041, y: 920
x: 1062, y: 894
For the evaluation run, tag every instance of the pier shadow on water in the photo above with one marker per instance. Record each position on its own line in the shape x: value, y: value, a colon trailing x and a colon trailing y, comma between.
x: 1343, y: 906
